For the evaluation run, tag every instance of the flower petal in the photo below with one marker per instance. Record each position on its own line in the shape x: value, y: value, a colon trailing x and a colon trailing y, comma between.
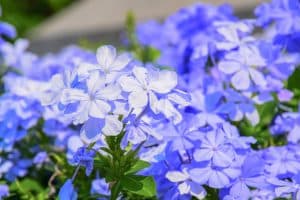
x: 129, y: 84
x: 73, y: 95
x: 113, y: 125
x: 176, y: 176
x: 164, y: 82
x: 106, y: 56
x: 99, y: 109
x: 229, y: 67
x: 241, y: 80
x: 121, y: 62
x: 110, y: 92
x: 91, y: 130
x: 138, y: 99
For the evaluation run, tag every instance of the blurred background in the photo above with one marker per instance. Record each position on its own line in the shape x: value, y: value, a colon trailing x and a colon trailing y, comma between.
x: 52, y: 24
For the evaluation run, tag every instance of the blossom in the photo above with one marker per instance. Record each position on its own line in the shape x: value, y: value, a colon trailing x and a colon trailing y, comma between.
x: 233, y: 34
x: 185, y: 184
x: 4, y: 191
x: 99, y: 186
x: 283, y: 187
x: 213, y: 148
x: 145, y: 84
x: 67, y: 191
x: 108, y: 62
x: 93, y: 102
x: 242, y: 68
x: 40, y: 158
x: 216, y: 177
x: 281, y: 161
x: 252, y: 175
x: 84, y: 157
x: 15, y: 55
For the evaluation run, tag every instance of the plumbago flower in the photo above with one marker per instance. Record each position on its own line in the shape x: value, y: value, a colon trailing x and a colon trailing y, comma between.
x: 127, y: 100
x: 92, y: 98
x: 125, y: 125
x: 242, y: 65
x: 287, y: 124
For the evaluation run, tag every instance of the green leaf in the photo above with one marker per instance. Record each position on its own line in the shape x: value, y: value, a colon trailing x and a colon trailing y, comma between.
x: 27, y: 185
x: 293, y: 81
x: 130, y: 183
x: 115, y: 190
x: 267, y: 112
x: 139, y: 165
x: 141, y: 185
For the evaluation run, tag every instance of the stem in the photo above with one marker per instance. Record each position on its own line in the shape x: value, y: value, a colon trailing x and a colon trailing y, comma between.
x: 75, y: 172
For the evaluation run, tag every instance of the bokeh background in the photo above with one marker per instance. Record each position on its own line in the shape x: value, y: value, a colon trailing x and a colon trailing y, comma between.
x: 52, y: 24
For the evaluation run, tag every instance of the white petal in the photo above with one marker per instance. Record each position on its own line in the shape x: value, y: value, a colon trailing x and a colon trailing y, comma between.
x: 110, y: 92
x: 229, y: 67
x: 166, y: 107
x: 184, y: 188
x: 112, y: 126
x: 138, y: 99
x: 229, y: 34
x: 129, y: 84
x: 253, y: 117
x: 95, y: 82
x: 121, y: 62
x: 164, y: 82
x: 257, y: 77
x: 176, y: 176
x: 140, y: 74
x: 106, y: 56
x: 84, y: 69
x: 82, y: 113
x: 99, y: 109
x: 241, y: 80
x: 180, y: 97
x: 73, y: 95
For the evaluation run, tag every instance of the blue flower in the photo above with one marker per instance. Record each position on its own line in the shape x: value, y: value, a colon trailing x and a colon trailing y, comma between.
x: 215, y: 177
x: 7, y: 30
x: 287, y: 124
x: 281, y: 161
x: 4, y: 191
x: 185, y: 184
x: 108, y: 62
x: 95, y: 101
x: 243, y: 69
x: 99, y: 186
x: 139, y: 131
x: 252, y: 175
x: 214, y: 148
x: 145, y: 84
x: 84, y: 157
x: 40, y: 158
x: 67, y: 191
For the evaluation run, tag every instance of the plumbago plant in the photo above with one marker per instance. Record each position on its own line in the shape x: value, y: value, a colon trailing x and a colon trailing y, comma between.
x: 116, y: 102
x: 200, y: 106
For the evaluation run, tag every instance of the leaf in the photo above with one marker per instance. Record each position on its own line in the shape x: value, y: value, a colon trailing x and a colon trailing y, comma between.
x: 150, y: 54
x: 115, y: 190
x: 293, y: 81
x: 27, y: 185
x: 131, y: 184
x: 266, y: 112
x: 139, y: 165
x: 141, y: 185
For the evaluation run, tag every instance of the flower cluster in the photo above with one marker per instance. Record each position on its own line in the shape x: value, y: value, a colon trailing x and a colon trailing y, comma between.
x: 215, y: 116
x: 242, y: 84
